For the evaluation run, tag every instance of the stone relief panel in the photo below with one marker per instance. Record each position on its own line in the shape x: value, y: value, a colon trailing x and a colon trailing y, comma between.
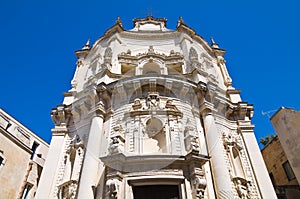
x: 238, y: 164
x: 150, y: 126
x: 70, y: 167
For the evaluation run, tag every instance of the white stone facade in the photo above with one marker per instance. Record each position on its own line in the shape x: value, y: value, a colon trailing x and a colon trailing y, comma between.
x: 152, y: 110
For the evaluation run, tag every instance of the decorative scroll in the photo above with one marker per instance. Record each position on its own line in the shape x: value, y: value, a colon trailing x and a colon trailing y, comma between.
x: 112, y: 188
x: 199, y: 182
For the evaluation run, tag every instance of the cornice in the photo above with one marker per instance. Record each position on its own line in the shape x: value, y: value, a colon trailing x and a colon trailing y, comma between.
x: 149, y: 19
x: 15, y: 140
x: 150, y: 35
x: 116, y: 28
x: 183, y: 28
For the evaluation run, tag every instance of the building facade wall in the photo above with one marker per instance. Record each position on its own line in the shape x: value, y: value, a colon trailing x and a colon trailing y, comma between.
x: 12, y: 170
x: 281, y: 154
x: 274, y: 157
x: 153, y: 106
x: 286, y: 124
x: 20, y: 167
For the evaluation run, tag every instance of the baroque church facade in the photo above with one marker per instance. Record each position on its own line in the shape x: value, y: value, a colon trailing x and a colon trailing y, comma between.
x: 152, y: 114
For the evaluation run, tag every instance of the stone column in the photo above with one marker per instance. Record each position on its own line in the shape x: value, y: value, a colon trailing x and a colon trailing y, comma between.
x: 92, y: 167
x: 218, y: 163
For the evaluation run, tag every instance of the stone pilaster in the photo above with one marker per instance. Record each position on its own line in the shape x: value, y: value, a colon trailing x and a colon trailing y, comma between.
x: 92, y: 165
x: 264, y: 183
x: 60, y: 116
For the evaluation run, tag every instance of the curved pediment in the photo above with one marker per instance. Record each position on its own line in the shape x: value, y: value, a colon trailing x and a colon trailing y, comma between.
x: 149, y: 24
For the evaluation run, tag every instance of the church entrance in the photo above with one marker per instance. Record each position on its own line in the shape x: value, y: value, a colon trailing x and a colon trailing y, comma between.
x: 156, y: 192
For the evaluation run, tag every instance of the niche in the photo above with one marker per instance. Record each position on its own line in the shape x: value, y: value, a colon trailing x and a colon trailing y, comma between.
x: 237, y: 163
x: 154, y: 140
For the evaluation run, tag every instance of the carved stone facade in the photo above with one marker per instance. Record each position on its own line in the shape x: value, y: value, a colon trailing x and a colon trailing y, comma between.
x: 153, y: 110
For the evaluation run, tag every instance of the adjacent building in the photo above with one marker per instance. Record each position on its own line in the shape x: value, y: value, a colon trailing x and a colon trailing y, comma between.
x: 152, y: 113
x: 22, y: 156
x: 281, y: 154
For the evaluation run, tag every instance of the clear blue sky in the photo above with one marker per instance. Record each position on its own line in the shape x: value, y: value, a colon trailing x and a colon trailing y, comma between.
x: 38, y: 40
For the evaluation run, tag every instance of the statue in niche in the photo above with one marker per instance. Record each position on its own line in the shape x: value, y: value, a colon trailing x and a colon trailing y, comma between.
x: 191, y: 139
x: 194, y: 60
x: 193, y: 55
x: 242, y: 189
x: 73, y: 153
x: 107, y: 58
x: 72, y: 162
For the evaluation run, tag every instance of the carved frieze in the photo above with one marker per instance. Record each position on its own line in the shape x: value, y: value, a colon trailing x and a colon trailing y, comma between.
x: 153, y: 105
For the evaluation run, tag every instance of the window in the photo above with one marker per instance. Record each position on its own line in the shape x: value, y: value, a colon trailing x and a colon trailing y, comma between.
x: 272, y: 179
x: 288, y: 170
x: 26, y: 191
x: 2, y: 159
x: 33, y: 148
x: 151, y: 68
